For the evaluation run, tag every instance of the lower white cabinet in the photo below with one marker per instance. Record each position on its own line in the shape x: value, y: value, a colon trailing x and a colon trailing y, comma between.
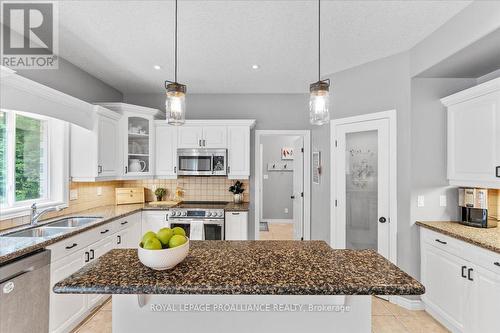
x: 153, y: 221
x: 69, y: 255
x: 236, y: 225
x: 462, y: 283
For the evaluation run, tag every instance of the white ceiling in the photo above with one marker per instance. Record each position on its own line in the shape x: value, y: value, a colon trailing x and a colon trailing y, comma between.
x: 120, y: 41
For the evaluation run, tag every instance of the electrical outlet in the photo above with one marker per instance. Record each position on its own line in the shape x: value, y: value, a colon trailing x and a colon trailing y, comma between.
x: 420, y: 201
x: 73, y: 194
x: 286, y: 210
x: 442, y: 200
x: 266, y: 176
x: 99, y: 190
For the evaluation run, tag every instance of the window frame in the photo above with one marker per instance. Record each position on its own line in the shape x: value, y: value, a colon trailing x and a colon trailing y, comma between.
x: 57, y: 166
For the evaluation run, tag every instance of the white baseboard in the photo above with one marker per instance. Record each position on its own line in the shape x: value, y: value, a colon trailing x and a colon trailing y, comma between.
x: 409, y: 304
x: 277, y: 220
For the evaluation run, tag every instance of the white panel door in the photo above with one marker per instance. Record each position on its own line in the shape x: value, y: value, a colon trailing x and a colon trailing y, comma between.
x: 446, y: 288
x: 189, y: 136
x: 238, y: 151
x: 214, y: 137
x: 298, y: 189
x: 108, y: 146
x: 474, y: 139
x: 66, y: 310
x: 486, y: 295
x: 166, y: 151
x: 362, y: 185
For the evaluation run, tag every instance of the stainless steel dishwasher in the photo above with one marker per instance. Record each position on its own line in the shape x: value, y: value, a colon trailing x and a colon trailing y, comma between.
x: 24, y: 294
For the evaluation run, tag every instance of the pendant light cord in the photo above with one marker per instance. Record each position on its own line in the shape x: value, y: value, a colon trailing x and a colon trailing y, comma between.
x: 175, y: 56
x: 319, y: 40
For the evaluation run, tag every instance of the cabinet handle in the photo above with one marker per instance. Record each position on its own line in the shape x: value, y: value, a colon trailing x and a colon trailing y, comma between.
x: 175, y: 169
x: 468, y: 274
x: 204, y: 143
x: 126, y: 169
x: 199, y: 142
x: 498, y: 171
x: 496, y: 263
x: 228, y: 169
x: 119, y: 239
x: 91, y: 254
x: 124, y: 222
x: 71, y: 246
x: 99, y: 169
x: 463, y: 272
x: 236, y: 213
x: 105, y: 231
x: 87, y: 258
x: 440, y: 241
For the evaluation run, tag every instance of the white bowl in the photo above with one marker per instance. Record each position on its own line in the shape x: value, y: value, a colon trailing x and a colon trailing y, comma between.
x: 163, y: 259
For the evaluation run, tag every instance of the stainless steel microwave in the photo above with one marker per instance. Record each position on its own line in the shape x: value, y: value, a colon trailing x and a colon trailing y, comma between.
x: 202, y: 162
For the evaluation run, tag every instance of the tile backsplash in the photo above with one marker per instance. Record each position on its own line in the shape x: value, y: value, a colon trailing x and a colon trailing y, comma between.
x: 195, y: 188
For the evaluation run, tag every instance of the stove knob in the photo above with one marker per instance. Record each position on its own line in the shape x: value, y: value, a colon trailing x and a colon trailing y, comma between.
x: 207, y: 214
x: 184, y: 213
x: 220, y: 214
x: 178, y: 213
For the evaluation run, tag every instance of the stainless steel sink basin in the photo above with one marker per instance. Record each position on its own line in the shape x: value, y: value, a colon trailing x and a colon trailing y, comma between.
x: 73, y: 222
x: 38, y: 232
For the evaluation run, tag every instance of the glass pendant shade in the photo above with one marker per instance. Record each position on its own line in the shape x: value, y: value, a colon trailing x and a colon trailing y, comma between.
x: 319, y: 101
x: 175, y: 104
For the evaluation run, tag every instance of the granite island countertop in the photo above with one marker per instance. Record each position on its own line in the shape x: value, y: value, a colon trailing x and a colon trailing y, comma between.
x: 14, y: 247
x: 487, y: 238
x: 247, y: 268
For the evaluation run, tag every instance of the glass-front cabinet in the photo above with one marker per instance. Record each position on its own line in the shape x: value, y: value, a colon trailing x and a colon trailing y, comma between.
x: 138, y: 145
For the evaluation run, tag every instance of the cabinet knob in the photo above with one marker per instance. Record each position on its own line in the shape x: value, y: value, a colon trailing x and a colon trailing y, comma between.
x: 497, y: 171
x: 496, y: 263
x: 440, y: 241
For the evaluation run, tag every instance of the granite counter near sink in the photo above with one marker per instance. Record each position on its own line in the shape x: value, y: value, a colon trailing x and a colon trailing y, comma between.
x: 487, y: 238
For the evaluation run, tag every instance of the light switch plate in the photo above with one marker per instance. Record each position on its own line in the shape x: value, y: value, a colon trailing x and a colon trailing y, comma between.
x: 266, y: 176
x: 420, y: 201
x: 286, y: 210
x: 99, y: 190
x: 442, y: 200
x: 73, y: 194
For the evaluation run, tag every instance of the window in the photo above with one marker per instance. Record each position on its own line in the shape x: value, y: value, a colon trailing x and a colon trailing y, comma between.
x: 32, y: 162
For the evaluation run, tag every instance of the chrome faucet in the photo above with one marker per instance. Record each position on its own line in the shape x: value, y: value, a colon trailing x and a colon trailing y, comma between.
x: 35, y: 215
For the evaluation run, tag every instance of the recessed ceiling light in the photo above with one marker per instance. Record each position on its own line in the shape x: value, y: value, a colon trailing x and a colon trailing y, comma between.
x: 157, y: 67
x: 255, y: 66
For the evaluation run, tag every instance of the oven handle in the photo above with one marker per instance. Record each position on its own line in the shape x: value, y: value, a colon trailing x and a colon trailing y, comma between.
x: 189, y: 221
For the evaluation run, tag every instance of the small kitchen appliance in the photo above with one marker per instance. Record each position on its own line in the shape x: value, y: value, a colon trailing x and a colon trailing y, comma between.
x: 202, y: 162
x: 473, y: 203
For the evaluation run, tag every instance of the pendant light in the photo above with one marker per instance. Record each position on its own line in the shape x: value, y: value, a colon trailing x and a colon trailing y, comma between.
x: 319, y: 91
x: 175, y: 103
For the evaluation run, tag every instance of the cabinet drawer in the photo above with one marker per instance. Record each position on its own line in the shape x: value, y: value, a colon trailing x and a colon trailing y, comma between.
x: 487, y: 259
x: 126, y: 222
x: 441, y: 241
x: 101, y: 232
x: 69, y: 245
x: 129, y: 195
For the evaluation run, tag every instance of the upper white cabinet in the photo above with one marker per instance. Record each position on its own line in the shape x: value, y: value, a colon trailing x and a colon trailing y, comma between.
x: 137, y: 133
x: 95, y: 154
x: 166, y: 149
x: 238, y: 145
x: 198, y: 136
x: 474, y: 136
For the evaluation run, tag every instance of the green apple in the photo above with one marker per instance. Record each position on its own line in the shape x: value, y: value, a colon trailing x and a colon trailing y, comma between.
x: 152, y: 244
x: 148, y: 235
x: 179, y: 231
x: 177, y: 240
x: 164, y: 235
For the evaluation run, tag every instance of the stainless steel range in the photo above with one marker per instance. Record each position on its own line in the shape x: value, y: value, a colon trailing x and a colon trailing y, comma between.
x: 201, y: 220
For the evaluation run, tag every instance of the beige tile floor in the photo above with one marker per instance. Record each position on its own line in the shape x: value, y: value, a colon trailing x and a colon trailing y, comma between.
x: 277, y: 231
x: 386, y: 318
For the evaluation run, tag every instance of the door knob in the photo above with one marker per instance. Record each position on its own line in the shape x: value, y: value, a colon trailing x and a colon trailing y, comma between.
x: 382, y: 220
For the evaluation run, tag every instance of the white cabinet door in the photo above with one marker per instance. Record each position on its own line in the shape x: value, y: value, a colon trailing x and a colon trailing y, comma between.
x: 166, y: 151
x: 97, y: 250
x: 153, y: 221
x: 108, y: 131
x: 128, y: 238
x: 486, y: 301
x: 121, y: 239
x: 214, y: 137
x: 236, y: 225
x: 238, y: 152
x: 446, y: 290
x: 138, y: 144
x: 66, y: 310
x: 474, y: 141
x: 189, y: 136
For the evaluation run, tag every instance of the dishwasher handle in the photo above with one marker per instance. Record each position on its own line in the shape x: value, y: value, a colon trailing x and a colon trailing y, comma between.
x: 24, y: 265
x: 18, y: 274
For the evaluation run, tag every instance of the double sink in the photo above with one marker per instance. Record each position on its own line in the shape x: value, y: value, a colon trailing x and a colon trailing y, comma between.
x: 56, y: 227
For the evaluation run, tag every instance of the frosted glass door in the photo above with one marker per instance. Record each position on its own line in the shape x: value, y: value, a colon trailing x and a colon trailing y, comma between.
x: 138, y: 156
x: 361, y: 190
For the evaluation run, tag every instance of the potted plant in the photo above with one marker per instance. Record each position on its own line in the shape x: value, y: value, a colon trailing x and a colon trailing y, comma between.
x: 237, y: 189
x: 160, y: 193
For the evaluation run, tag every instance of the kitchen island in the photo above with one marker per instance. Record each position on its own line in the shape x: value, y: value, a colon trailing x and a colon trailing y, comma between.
x: 245, y: 286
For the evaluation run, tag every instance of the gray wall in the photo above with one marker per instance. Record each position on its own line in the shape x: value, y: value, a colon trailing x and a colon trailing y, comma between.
x: 278, y: 187
x: 75, y: 82
x: 272, y: 111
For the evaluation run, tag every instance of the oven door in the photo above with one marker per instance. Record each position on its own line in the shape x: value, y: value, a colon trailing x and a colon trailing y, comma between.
x: 213, y: 230
x: 186, y: 225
